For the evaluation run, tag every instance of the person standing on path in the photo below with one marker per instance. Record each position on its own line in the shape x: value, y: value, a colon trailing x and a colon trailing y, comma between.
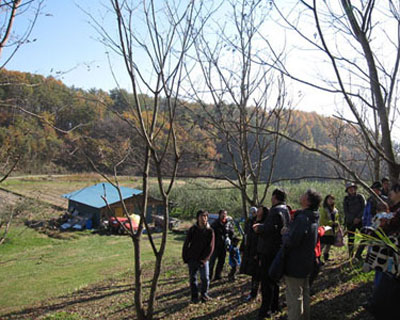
x: 196, y: 252
x: 299, y: 254
x: 234, y: 258
x: 269, y: 243
x: 223, y: 231
x: 250, y: 261
x: 353, y: 207
x: 329, y: 218
x: 369, y: 214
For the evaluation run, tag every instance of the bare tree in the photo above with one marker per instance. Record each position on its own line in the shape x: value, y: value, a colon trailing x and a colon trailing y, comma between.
x: 245, y: 98
x: 11, y: 41
x: 153, y: 39
x: 10, y: 10
x: 356, y: 39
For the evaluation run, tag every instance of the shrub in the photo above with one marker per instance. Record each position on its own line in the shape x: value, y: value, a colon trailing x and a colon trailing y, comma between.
x: 212, y: 195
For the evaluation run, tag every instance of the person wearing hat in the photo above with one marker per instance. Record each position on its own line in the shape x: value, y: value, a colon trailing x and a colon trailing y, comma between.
x: 353, y: 207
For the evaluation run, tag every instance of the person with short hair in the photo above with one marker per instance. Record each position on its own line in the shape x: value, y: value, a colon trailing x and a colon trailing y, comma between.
x: 353, y: 207
x: 196, y: 252
x: 269, y: 243
x: 298, y: 247
x: 234, y: 258
x: 223, y: 231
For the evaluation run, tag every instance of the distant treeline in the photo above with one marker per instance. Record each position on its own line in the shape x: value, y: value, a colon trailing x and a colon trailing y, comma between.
x: 55, y: 128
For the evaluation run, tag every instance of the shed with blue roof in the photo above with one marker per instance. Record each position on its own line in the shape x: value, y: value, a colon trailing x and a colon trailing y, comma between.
x: 89, y: 203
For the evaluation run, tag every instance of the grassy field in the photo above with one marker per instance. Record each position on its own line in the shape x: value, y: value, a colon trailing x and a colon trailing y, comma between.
x: 90, y: 276
x: 339, y: 291
x: 35, y: 267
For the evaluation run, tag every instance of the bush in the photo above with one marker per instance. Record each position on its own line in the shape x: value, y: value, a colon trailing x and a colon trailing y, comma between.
x: 198, y: 194
x: 212, y: 195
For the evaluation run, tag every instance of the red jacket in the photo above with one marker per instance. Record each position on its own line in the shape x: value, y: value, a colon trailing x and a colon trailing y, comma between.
x: 321, y: 232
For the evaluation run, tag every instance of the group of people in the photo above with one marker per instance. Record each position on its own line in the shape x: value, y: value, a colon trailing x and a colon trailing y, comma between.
x: 375, y: 217
x: 205, y: 245
x: 297, y: 239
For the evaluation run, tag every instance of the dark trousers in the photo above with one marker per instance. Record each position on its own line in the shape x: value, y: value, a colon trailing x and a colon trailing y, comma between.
x: 315, y: 271
x: 269, y: 288
x: 255, y: 284
x: 196, y: 267
x: 220, y: 254
x: 384, y: 304
x: 231, y: 275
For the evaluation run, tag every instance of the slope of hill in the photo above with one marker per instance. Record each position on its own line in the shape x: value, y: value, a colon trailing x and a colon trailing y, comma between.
x: 96, y: 132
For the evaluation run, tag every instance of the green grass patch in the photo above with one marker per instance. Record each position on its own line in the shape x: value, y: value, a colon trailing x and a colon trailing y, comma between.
x: 63, y: 316
x: 35, y: 267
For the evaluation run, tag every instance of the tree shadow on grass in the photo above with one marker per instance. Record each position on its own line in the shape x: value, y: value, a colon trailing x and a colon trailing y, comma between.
x: 345, y: 306
x: 333, y: 274
x: 229, y: 301
x: 77, y: 298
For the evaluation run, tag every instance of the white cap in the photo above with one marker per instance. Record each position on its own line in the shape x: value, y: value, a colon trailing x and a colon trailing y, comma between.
x: 253, y: 210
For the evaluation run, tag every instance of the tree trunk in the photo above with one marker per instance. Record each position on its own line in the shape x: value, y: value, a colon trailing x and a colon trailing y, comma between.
x: 140, y: 312
x: 376, y: 92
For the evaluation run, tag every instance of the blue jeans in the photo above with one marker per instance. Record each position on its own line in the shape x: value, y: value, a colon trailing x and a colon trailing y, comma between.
x: 194, y: 268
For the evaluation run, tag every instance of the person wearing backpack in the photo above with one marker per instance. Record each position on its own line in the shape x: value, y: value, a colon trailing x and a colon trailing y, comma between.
x: 269, y: 243
x: 353, y: 208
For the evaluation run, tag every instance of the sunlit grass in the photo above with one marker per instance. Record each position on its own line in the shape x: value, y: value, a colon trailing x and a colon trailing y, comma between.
x: 35, y: 267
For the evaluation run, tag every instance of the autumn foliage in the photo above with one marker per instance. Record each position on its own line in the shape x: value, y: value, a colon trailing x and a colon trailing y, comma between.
x: 55, y: 128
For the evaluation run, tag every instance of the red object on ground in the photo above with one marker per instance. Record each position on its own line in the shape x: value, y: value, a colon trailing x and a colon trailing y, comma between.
x: 115, y: 224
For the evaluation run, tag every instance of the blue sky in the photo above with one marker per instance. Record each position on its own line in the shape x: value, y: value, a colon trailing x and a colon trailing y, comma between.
x: 66, y: 43
x: 66, y: 47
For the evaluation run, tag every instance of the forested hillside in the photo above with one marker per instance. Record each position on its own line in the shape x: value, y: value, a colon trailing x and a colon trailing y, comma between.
x: 54, y: 128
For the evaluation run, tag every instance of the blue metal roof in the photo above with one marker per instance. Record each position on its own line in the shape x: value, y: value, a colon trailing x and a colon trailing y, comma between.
x: 92, y: 196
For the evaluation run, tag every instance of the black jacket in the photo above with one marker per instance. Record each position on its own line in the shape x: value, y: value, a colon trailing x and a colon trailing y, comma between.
x: 222, y: 231
x: 248, y: 246
x: 299, y: 244
x: 198, y: 245
x: 353, y: 207
x: 270, y: 238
